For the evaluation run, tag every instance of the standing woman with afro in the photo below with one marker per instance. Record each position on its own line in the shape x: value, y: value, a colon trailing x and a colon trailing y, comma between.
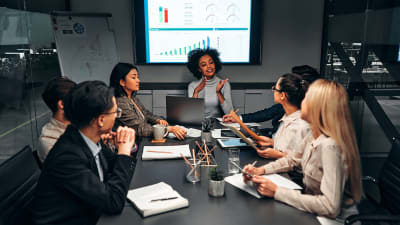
x: 204, y: 65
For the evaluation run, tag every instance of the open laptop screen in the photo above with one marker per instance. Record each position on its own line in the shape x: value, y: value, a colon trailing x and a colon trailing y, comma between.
x: 184, y: 110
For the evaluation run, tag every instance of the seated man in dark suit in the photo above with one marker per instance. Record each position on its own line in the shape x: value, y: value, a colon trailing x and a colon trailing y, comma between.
x: 275, y: 112
x: 81, y: 178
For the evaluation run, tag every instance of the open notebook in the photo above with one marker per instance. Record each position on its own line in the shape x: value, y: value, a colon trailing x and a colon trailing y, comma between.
x: 237, y: 181
x: 165, y: 152
x: 156, y: 199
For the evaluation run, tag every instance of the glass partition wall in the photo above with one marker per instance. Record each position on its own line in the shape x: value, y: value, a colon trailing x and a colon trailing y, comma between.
x: 361, y: 44
x: 28, y: 60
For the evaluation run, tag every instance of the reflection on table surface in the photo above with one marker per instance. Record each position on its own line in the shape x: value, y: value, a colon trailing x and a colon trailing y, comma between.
x: 235, y: 207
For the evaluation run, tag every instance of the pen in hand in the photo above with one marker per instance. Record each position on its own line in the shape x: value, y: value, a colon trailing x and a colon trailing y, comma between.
x: 240, y: 169
x: 253, y: 164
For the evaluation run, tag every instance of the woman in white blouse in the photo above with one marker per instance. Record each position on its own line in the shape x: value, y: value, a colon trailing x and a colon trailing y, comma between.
x: 330, y: 163
x: 289, y: 91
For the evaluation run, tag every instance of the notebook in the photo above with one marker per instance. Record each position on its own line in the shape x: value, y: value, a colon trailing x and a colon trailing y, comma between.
x: 165, y: 152
x: 237, y: 181
x: 155, y: 199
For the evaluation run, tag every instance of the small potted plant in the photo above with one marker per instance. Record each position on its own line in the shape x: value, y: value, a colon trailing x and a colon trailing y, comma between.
x: 206, y: 127
x: 216, y: 184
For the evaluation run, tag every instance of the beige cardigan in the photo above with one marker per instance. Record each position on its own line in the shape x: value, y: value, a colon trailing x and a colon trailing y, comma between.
x: 324, y: 177
x: 51, y: 131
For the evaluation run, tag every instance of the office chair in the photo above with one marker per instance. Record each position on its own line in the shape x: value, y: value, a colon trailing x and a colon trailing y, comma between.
x: 18, y: 175
x: 37, y: 159
x: 389, y: 187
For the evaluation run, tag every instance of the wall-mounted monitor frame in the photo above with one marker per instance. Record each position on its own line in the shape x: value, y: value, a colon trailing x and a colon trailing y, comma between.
x: 141, y: 36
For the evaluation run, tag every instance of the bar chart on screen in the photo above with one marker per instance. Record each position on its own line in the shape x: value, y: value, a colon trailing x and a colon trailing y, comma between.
x: 174, y: 28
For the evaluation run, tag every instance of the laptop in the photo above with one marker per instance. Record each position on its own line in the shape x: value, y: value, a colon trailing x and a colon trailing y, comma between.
x: 185, y: 110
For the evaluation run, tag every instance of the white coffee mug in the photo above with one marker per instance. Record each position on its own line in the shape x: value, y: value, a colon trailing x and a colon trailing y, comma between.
x: 159, y: 132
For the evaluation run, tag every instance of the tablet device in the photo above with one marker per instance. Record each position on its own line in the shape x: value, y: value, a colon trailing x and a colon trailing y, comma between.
x: 227, y: 133
x: 231, y: 142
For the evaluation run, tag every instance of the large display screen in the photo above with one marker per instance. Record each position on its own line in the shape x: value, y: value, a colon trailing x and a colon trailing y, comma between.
x: 398, y: 54
x: 167, y: 30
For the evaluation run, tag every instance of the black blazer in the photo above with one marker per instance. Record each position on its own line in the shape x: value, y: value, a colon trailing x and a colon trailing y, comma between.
x: 69, y: 190
x: 274, y: 113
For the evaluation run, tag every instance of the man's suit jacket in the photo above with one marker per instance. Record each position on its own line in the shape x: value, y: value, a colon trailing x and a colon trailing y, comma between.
x: 69, y: 190
x: 274, y: 113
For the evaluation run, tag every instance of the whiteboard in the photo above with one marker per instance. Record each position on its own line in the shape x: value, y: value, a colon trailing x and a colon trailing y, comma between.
x: 85, y: 45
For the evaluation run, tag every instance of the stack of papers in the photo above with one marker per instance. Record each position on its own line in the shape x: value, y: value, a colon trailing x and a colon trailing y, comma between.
x: 237, y: 181
x: 165, y: 152
x: 156, y: 198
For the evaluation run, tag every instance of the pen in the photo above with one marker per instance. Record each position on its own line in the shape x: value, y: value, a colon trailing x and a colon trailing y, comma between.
x: 163, y: 199
x: 159, y: 151
x: 241, y: 170
x: 253, y: 164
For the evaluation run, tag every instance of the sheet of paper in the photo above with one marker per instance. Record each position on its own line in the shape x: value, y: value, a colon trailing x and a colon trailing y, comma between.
x: 326, y: 221
x: 283, y: 181
x: 237, y: 181
x: 236, y: 124
x: 165, y: 152
x: 217, y: 133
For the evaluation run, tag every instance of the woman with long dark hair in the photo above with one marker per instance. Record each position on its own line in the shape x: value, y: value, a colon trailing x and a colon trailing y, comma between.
x: 125, y: 81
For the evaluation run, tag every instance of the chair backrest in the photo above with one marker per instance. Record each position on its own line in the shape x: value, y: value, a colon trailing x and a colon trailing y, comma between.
x: 37, y: 159
x: 389, y: 180
x: 18, y: 176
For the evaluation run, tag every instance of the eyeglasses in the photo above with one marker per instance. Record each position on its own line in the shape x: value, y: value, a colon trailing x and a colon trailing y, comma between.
x: 275, y: 89
x: 118, y: 112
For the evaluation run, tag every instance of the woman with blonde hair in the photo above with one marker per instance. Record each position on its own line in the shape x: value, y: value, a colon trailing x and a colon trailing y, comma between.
x: 330, y: 163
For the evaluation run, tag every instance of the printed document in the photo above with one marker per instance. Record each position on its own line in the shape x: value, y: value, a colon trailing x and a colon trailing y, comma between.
x: 237, y: 181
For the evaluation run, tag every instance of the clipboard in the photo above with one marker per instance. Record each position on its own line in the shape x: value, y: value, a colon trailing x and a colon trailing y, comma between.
x: 243, y: 137
x: 240, y: 122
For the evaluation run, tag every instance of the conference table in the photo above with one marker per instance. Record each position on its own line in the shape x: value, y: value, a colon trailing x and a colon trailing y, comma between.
x: 235, y: 207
